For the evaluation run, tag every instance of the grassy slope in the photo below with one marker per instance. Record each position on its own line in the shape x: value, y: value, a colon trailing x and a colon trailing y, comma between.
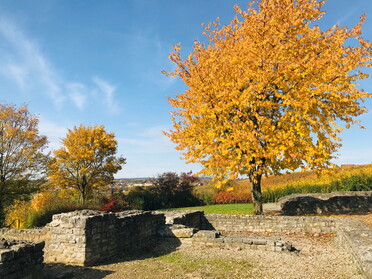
x: 302, y: 178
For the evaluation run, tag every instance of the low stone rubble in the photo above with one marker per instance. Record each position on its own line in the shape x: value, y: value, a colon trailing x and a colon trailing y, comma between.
x: 213, y: 238
x: 179, y: 231
x: 21, y: 259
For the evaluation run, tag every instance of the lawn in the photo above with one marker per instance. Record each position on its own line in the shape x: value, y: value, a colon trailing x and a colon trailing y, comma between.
x: 222, y: 208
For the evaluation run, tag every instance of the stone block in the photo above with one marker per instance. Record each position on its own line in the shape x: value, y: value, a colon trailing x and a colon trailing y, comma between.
x: 259, y: 241
x: 206, y: 234
x: 6, y: 255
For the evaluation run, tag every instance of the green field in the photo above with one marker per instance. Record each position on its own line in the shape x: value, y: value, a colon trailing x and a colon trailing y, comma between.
x: 222, y: 208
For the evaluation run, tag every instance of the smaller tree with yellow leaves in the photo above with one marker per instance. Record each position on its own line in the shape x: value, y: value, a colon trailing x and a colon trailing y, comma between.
x: 22, y: 161
x: 86, y: 161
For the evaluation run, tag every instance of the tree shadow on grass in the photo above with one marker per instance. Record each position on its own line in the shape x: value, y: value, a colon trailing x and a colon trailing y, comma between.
x: 162, y: 247
x: 64, y: 271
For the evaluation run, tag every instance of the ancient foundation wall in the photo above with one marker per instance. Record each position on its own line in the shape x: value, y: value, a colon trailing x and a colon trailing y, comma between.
x: 242, y: 223
x: 189, y: 218
x: 21, y: 260
x: 136, y: 232
x: 89, y: 237
x: 34, y: 235
x: 327, y: 203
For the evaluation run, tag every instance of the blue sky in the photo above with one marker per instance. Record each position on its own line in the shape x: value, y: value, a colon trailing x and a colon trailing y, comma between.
x: 99, y: 62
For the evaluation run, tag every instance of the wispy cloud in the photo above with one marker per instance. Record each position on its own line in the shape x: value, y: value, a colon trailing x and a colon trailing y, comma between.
x: 24, y: 63
x: 54, y: 132
x: 150, y: 153
x: 352, y: 11
x: 151, y: 140
x: 78, y: 94
x: 107, y: 90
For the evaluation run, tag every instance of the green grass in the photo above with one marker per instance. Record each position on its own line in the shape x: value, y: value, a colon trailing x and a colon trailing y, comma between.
x: 222, y: 208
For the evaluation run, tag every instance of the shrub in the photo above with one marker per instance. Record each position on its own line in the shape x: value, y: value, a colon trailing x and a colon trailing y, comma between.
x: 42, y: 217
x: 360, y: 182
x: 229, y: 198
x: 168, y: 191
x: 39, y: 210
x: 205, y: 197
x: 16, y: 215
x: 115, y: 204
x: 143, y: 198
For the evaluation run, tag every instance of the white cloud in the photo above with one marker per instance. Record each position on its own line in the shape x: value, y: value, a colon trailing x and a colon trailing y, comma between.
x: 24, y: 63
x: 151, y: 140
x: 54, y: 132
x: 78, y: 94
x: 107, y: 90
x: 346, y: 16
x: 16, y: 72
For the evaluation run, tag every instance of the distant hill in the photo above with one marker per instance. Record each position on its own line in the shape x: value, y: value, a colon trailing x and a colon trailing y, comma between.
x: 134, y: 178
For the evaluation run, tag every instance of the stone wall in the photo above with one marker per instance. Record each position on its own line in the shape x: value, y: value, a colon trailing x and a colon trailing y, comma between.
x: 213, y: 238
x: 243, y: 223
x: 327, y: 203
x: 34, y: 235
x: 189, y: 218
x: 89, y: 237
x: 137, y: 231
x: 20, y: 260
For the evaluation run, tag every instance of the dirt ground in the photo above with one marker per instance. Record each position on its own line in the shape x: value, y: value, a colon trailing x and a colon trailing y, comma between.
x: 366, y: 218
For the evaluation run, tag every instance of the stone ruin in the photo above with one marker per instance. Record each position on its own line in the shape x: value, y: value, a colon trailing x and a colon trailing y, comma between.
x: 20, y: 259
x: 88, y: 237
x: 327, y: 203
x: 194, y: 226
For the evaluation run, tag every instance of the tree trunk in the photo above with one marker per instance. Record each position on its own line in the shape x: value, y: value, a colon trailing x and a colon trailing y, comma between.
x: 83, y: 190
x: 2, y: 213
x: 2, y: 190
x: 256, y: 194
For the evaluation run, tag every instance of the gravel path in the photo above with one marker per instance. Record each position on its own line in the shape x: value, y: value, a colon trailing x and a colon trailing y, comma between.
x: 319, y: 257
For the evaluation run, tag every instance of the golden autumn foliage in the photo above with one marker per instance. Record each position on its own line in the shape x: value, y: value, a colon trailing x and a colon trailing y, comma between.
x: 86, y: 161
x: 21, y: 152
x: 19, y: 212
x: 270, y: 91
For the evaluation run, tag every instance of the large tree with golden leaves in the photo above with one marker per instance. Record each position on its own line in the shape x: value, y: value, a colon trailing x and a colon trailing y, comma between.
x: 86, y: 160
x: 270, y: 91
x: 21, y: 153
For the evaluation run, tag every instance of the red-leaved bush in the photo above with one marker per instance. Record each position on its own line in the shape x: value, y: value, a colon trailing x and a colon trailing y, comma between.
x: 227, y: 198
x: 114, y: 206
